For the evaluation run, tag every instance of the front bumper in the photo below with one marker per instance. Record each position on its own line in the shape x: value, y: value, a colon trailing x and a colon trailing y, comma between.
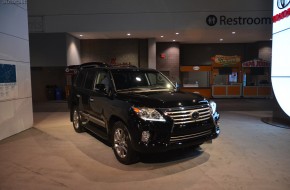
x: 165, y: 136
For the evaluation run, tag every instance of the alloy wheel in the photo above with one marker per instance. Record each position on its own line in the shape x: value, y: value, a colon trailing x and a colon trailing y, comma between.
x: 120, y: 144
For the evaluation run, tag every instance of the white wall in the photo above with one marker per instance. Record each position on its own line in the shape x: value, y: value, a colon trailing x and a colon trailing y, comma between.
x: 73, y: 54
x: 15, y: 100
x: 152, y: 54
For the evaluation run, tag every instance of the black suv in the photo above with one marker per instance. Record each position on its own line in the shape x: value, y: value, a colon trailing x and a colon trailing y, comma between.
x: 139, y: 111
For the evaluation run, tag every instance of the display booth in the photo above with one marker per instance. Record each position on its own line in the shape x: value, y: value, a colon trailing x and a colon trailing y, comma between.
x: 226, y: 77
x: 196, y: 79
x: 256, y: 79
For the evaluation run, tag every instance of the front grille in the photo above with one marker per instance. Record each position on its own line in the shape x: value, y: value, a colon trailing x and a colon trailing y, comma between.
x: 190, y: 136
x: 191, y: 115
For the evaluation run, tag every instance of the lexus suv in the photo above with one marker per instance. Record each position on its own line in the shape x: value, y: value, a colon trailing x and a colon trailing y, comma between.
x: 139, y: 111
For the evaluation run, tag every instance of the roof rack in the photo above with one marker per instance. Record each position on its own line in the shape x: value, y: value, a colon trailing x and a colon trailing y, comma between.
x: 94, y: 64
x: 123, y: 65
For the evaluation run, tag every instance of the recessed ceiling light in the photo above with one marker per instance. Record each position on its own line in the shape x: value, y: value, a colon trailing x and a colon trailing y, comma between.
x: 161, y: 36
x: 221, y: 39
x: 173, y: 40
x: 81, y: 35
x: 233, y: 32
x: 128, y: 34
x: 176, y: 33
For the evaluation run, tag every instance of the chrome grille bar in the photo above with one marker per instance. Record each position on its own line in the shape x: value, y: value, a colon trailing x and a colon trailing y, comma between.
x: 185, y: 116
x: 191, y: 136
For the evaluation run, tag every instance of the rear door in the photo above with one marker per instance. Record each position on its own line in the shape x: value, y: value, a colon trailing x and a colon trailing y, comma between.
x: 88, y: 89
x: 84, y: 89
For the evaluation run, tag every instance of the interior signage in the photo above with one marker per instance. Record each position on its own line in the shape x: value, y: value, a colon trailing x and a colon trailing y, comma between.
x: 282, y: 4
x: 8, y: 85
x: 256, y: 63
x: 280, y: 71
x: 213, y: 20
x: 226, y: 60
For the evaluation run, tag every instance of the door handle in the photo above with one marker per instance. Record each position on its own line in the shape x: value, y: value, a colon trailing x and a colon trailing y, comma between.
x: 91, y: 99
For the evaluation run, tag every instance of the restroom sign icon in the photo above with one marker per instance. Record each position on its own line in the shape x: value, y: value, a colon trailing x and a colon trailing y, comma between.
x: 211, y: 20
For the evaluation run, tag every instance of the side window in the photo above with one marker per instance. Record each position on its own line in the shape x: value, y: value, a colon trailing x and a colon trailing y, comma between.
x: 103, y: 78
x: 90, y: 79
x: 156, y: 79
x: 152, y: 78
x: 80, y: 78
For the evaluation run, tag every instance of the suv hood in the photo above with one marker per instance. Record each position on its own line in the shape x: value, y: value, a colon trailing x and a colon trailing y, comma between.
x: 161, y: 99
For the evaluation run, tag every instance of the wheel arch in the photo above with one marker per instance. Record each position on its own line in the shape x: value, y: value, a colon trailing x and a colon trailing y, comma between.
x: 113, y: 119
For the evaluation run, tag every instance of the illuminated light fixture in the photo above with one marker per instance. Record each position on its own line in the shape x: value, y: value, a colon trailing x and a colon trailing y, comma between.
x: 161, y: 36
x: 128, y: 34
x: 81, y: 35
x: 177, y: 33
x: 221, y: 40
x: 173, y: 40
x: 233, y: 32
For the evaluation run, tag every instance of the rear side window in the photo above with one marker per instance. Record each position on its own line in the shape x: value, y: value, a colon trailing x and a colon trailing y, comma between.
x: 90, y: 79
x: 80, y: 78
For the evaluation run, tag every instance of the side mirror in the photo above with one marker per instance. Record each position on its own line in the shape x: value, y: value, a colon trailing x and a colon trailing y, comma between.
x: 101, y: 88
x: 177, y: 86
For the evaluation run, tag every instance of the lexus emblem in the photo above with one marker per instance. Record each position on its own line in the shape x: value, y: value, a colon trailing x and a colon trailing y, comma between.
x: 282, y: 4
x: 195, y: 115
x: 211, y: 20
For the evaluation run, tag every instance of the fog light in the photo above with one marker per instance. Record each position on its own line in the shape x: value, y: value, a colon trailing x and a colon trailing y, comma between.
x: 145, y: 136
x: 217, y: 130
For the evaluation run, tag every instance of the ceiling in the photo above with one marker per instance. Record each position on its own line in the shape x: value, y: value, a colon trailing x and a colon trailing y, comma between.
x: 107, y: 19
x: 186, y: 36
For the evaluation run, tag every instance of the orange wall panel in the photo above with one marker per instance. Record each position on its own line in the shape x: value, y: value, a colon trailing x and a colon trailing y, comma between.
x: 190, y: 68
x: 250, y: 91
x: 234, y: 90
x: 220, y: 90
x: 264, y: 91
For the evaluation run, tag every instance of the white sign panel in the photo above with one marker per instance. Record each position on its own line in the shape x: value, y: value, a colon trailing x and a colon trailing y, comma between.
x: 280, y: 53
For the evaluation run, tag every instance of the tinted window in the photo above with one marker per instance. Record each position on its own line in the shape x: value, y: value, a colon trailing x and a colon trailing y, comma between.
x: 127, y: 79
x: 101, y: 76
x: 80, y: 78
x: 156, y: 79
x: 90, y: 79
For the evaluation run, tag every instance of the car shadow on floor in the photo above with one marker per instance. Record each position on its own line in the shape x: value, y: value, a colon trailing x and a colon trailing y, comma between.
x: 162, y: 158
x: 172, y: 155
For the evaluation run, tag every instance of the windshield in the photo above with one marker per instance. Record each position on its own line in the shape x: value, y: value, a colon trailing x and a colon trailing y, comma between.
x: 140, y: 80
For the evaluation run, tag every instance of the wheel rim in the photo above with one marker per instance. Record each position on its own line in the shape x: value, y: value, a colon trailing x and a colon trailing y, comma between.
x: 76, y: 119
x: 120, y: 144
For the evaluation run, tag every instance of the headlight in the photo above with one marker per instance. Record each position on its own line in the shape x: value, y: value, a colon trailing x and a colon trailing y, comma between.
x: 148, y: 114
x: 212, y: 105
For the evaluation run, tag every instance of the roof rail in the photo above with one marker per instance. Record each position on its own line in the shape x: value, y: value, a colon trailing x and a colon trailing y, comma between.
x: 123, y: 65
x: 94, y: 64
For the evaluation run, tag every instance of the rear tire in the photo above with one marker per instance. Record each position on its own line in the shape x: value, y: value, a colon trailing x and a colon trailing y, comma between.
x: 77, y: 122
x: 121, y: 144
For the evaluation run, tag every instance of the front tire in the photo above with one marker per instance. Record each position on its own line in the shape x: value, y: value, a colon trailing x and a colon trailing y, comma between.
x: 121, y: 144
x: 77, y: 123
